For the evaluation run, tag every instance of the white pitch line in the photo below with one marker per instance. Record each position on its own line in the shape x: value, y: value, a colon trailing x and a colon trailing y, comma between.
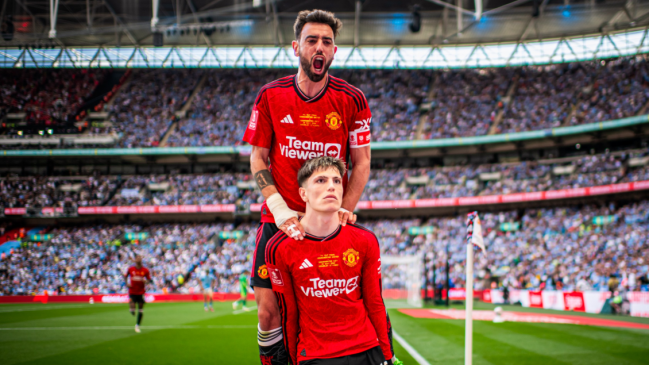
x: 2, y: 310
x: 120, y: 328
x: 411, y: 350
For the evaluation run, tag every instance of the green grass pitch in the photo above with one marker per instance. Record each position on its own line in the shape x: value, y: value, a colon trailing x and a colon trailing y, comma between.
x: 182, y: 333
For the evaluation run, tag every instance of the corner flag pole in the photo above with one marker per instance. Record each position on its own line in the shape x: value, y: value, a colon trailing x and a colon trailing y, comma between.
x: 473, y: 236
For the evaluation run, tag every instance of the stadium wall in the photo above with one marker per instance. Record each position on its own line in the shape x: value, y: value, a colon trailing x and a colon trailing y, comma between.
x: 587, y: 301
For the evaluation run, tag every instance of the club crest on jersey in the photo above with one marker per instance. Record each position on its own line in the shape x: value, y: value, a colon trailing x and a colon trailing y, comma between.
x: 351, y: 257
x: 334, y: 121
x: 262, y: 272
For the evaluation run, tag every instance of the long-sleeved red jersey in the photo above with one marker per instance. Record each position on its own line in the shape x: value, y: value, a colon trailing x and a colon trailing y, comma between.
x: 329, y: 293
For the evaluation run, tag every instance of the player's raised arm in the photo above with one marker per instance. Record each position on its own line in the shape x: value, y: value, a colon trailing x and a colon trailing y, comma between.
x: 285, y: 217
x: 371, y: 286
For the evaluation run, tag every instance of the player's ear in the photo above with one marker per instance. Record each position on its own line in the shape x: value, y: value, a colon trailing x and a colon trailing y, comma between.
x: 303, y: 194
x: 296, y: 48
x: 335, y: 49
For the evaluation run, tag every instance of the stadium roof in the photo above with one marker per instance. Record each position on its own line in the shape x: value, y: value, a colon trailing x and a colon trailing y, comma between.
x: 269, y: 22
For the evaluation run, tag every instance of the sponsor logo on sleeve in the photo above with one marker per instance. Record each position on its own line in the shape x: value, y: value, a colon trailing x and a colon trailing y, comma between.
x: 306, y: 150
x: 361, y: 136
x: 252, y: 124
x: 262, y: 272
x: 324, y: 288
x: 351, y: 257
x: 276, y: 277
x: 333, y: 121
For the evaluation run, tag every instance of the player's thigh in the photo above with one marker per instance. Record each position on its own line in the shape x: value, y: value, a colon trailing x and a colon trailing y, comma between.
x: 259, y: 274
x: 266, y: 300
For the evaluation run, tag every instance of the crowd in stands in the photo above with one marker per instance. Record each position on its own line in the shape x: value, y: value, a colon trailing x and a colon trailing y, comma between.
x: 199, y: 189
x: 47, y: 97
x: 219, y: 114
x: 143, y: 111
x: 503, y: 178
x: 465, y: 103
x: 557, y: 248
x: 93, y: 259
x: 55, y: 191
x: 384, y: 184
x: 405, y: 104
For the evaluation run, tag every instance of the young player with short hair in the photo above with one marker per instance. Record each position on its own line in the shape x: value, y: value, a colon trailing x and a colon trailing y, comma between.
x: 139, y: 276
x: 329, y: 285
x: 207, y: 282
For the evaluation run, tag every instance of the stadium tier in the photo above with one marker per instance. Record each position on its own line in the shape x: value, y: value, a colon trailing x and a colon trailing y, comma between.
x: 157, y: 108
x: 559, y: 248
x: 472, y: 180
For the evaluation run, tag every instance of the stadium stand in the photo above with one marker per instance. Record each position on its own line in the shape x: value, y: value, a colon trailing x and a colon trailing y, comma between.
x: 384, y: 184
x: 562, y: 248
x: 406, y: 104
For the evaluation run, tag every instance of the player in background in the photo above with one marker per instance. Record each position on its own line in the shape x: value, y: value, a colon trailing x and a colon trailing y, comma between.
x: 207, y: 282
x: 243, y: 290
x: 329, y: 285
x: 139, y: 276
x: 294, y: 119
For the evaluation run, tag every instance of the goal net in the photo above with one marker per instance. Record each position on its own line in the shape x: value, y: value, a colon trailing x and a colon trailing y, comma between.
x: 402, y: 278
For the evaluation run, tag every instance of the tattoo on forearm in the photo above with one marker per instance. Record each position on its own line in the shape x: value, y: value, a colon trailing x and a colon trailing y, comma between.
x: 264, y: 179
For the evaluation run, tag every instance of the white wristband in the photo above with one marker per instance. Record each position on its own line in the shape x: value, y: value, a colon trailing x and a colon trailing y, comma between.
x: 343, y: 210
x: 280, y: 210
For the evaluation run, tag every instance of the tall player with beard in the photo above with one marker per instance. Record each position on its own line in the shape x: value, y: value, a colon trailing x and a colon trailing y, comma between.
x: 294, y: 119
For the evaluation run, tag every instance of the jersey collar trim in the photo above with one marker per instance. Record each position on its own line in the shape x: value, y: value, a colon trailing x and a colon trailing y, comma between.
x: 322, y: 239
x: 306, y: 98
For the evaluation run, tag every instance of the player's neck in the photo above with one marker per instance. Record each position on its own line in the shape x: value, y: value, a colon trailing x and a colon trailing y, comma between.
x: 320, y: 224
x: 308, y: 87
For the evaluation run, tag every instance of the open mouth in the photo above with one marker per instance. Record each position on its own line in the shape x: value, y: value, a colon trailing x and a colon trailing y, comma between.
x: 318, y: 63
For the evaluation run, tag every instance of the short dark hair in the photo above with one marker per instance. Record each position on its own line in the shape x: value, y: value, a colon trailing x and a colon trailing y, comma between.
x: 316, y: 16
x: 319, y: 163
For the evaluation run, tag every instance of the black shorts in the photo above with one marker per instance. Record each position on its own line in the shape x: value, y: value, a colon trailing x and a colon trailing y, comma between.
x: 137, y: 298
x: 259, y: 273
x: 373, y: 356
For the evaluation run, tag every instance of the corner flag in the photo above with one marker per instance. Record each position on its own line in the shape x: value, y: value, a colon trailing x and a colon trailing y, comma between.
x: 477, y: 238
x: 473, y: 237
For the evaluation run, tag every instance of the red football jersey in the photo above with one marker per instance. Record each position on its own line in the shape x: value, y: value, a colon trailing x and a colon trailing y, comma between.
x: 296, y: 128
x: 329, y: 293
x: 138, y: 279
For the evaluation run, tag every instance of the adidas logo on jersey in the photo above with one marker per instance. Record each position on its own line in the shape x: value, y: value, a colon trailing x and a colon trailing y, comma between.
x: 287, y: 120
x: 306, y: 264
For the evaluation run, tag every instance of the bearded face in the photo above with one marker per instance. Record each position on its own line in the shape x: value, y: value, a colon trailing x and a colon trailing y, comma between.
x: 315, y: 50
x: 315, y: 67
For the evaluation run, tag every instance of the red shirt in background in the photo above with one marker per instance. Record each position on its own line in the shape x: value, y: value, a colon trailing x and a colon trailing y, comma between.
x: 138, y: 279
